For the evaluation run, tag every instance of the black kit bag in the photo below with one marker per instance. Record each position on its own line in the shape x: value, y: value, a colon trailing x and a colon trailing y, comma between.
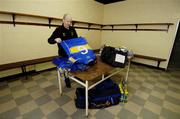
x: 116, y: 57
x: 105, y: 98
x: 103, y: 95
x: 80, y: 98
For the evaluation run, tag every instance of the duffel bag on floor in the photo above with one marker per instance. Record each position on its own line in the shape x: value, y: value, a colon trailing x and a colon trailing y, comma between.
x: 99, y: 97
x: 105, y: 98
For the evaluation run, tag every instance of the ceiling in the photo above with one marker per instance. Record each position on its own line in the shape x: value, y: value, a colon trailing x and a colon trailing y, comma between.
x: 108, y: 1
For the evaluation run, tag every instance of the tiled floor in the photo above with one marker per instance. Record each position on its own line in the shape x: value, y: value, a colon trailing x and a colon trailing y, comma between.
x: 153, y: 94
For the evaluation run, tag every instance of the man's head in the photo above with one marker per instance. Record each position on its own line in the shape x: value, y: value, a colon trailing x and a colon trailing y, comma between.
x: 67, y: 19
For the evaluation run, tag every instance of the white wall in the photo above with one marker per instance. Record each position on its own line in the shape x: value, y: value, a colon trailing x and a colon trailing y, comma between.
x: 83, y: 10
x: 150, y: 43
x: 24, y: 42
x: 29, y: 42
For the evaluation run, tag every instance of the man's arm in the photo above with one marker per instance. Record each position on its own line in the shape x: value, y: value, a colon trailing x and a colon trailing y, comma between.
x: 55, y: 37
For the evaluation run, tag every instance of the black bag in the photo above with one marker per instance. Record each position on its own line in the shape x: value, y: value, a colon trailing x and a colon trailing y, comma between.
x: 105, y: 98
x: 103, y: 95
x: 80, y: 98
x: 116, y: 57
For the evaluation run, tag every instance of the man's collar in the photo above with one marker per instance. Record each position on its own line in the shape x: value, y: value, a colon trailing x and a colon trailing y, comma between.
x: 64, y: 27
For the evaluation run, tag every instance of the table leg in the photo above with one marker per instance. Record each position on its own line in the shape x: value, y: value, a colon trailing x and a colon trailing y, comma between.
x: 59, y: 80
x: 102, y: 76
x: 86, y: 98
x: 127, y: 72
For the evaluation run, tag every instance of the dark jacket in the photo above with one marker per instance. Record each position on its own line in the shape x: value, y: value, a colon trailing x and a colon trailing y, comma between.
x: 64, y: 34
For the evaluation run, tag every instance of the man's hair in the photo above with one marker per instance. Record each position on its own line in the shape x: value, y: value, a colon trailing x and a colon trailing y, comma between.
x: 65, y: 15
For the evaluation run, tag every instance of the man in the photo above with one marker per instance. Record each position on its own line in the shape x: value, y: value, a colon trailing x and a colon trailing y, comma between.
x: 63, y: 32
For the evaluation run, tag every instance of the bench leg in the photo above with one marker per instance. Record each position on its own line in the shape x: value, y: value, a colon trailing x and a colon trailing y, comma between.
x: 158, y: 64
x: 23, y: 68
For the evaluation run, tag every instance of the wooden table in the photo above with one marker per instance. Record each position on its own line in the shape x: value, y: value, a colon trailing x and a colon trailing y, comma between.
x: 99, y: 69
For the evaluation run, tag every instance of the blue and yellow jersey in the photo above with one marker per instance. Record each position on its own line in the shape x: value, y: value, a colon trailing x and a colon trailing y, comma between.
x: 78, y: 50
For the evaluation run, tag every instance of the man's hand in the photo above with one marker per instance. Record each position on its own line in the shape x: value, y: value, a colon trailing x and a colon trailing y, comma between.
x: 58, y: 40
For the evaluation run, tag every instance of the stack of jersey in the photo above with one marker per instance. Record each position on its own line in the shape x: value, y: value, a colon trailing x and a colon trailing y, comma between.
x: 80, y: 55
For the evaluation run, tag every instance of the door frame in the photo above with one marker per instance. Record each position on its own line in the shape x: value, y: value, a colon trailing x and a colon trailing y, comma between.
x: 177, y: 26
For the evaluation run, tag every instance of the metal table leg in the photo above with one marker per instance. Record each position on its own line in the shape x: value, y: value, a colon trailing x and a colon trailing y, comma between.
x: 59, y: 80
x: 127, y: 72
x: 86, y: 98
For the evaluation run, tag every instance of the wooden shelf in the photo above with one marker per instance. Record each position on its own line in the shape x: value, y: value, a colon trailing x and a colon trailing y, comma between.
x: 138, y: 24
x: 89, y: 24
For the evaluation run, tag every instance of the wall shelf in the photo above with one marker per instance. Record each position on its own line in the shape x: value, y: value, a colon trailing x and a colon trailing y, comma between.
x: 78, y: 24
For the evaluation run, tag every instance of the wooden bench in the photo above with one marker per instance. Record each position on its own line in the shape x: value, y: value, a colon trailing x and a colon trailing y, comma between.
x: 23, y: 64
x: 159, y: 60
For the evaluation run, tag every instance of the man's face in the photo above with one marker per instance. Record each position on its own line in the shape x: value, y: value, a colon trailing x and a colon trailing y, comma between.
x: 67, y: 22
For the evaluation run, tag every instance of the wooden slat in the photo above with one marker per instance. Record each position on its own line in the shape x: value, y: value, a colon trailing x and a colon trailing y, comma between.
x: 137, y: 24
x: 81, y: 22
x: 28, y: 62
x: 46, y: 17
x: 29, y: 15
x: 42, y: 24
x: 28, y: 23
x: 135, y: 29
x: 86, y: 28
x: 25, y: 63
x: 159, y: 60
x: 149, y: 57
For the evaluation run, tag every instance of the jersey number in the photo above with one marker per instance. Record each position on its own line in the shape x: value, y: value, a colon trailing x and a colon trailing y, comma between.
x: 83, y: 49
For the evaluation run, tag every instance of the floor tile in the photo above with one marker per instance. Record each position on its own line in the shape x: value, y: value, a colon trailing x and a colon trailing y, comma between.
x: 10, y: 114
x: 23, y: 99
x: 57, y: 114
x: 153, y: 107
x: 69, y: 107
x: 169, y: 114
x: 152, y: 94
x: 43, y: 99
x: 63, y: 100
x: 35, y: 114
x: 125, y: 114
x: 20, y: 93
x: 147, y: 114
x: 7, y: 106
x: 49, y: 107
x: 27, y: 107
x: 133, y: 107
x: 104, y: 114
x: 171, y: 106
x: 155, y: 100
x: 5, y: 98
x: 138, y: 100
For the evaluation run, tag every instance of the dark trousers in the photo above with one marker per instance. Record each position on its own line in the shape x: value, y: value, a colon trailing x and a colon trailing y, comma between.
x: 67, y: 80
x: 68, y: 83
